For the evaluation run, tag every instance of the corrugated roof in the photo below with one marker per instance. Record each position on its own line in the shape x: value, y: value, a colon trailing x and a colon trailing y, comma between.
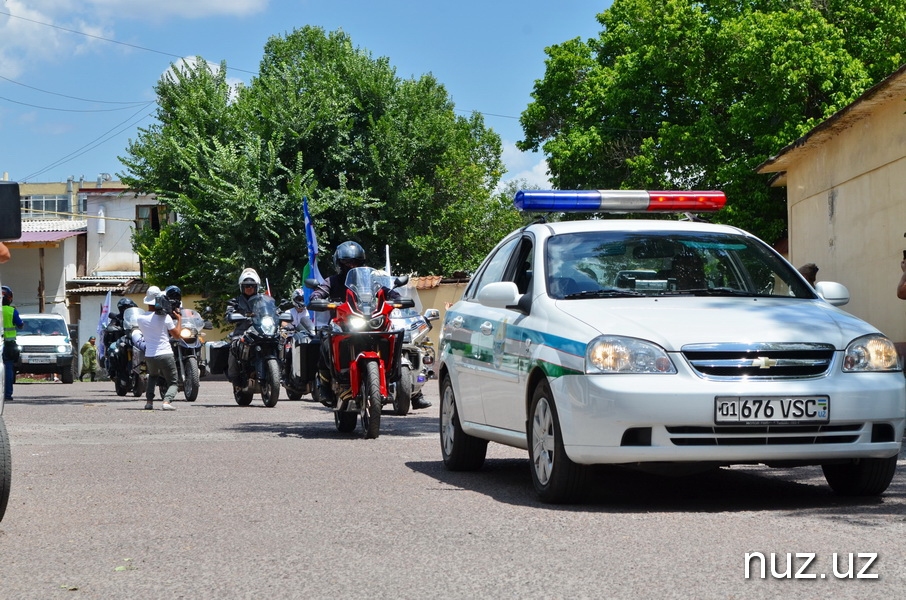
x: 31, y: 237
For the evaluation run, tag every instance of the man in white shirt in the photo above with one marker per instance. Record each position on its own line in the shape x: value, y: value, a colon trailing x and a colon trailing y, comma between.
x: 157, y: 326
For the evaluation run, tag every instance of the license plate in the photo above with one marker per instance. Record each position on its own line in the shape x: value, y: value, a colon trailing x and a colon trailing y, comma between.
x: 768, y: 411
x: 37, y: 360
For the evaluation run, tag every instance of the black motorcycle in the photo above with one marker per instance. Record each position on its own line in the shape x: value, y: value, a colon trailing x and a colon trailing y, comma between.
x: 257, y: 351
x: 124, y: 362
x: 187, y: 351
x: 301, y: 348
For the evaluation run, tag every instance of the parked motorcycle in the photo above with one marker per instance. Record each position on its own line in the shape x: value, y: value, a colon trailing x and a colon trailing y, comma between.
x: 362, y: 349
x: 418, y: 351
x: 124, y: 363
x: 190, y: 364
x: 257, y: 350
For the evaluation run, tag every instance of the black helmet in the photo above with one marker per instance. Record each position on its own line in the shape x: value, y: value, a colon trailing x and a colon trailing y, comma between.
x: 173, y: 293
x: 299, y: 298
x: 348, y: 256
x: 123, y: 304
x: 7, y: 295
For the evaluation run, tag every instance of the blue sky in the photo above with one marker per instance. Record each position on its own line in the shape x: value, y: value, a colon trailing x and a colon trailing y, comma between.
x: 70, y: 99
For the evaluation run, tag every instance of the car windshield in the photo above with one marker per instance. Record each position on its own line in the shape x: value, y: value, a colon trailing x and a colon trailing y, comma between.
x: 625, y: 264
x: 42, y: 326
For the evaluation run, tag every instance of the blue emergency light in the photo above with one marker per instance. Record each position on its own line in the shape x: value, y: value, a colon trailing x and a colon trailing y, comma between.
x: 618, y: 201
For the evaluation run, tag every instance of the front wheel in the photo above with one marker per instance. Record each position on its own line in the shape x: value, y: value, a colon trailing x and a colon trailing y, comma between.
x: 242, y: 395
x: 121, y: 388
x: 460, y: 451
x: 557, y: 479
x: 270, y: 390
x: 370, y: 393
x: 862, y: 477
x: 402, y: 399
x: 190, y: 385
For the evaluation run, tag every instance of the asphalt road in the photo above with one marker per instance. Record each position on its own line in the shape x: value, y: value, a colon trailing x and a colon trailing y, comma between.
x: 214, y: 500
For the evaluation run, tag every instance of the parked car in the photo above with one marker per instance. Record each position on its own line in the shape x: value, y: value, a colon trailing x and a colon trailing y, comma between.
x: 44, y: 346
x: 665, y: 345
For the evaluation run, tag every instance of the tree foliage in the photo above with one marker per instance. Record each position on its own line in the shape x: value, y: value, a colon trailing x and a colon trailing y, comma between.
x: 382, y: 160
x: 694, y: 94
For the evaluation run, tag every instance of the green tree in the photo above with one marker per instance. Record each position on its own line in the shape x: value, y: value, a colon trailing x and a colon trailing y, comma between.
x: 692, y: 94
x: 382, y: 160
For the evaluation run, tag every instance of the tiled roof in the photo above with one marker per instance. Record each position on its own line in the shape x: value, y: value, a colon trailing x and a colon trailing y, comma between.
x: 53, y: 225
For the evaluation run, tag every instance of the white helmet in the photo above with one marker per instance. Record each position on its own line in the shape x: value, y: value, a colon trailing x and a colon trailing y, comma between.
x: 249, y: 276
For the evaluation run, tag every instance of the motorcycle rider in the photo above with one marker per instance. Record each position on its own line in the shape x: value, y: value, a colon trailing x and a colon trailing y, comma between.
x: 346, y: 257
x: 301, y: 320
x: 115, y: 327
x: 249, y: 282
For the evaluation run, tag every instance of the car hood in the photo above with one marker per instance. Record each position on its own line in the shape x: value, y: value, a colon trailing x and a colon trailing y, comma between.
x: 42, y: 340
x: 675, y: 322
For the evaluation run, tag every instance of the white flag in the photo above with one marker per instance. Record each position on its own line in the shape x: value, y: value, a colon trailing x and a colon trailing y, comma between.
x: 102, y: 325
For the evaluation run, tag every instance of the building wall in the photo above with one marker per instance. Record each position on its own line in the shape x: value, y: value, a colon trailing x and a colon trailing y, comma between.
x: 847, y: 214
x: 110, y: 239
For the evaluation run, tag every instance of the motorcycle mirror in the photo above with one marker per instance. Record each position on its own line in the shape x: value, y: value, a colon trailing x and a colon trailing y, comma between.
x: 311, y: 283
x: 401, y: 281
x: 208, y: 325
x: 432, y: 314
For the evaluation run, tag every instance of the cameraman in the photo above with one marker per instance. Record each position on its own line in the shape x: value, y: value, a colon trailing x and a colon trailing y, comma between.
x: 157, y: 325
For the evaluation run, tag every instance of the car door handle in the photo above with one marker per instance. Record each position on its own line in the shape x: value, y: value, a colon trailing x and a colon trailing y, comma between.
x: 486, y: 328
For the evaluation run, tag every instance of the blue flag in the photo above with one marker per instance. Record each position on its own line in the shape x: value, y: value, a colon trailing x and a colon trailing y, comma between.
x: 311, y: 270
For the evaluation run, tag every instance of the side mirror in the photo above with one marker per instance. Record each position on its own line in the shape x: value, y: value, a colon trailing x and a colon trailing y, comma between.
x: 500, y: 294
x: 208, y: 325
x: 401, y: 281
x: 432, y: 314
x: 311, y: 283
x: 834, y: 293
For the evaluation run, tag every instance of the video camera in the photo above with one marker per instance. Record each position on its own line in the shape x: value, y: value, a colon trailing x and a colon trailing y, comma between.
x: 162, y: 305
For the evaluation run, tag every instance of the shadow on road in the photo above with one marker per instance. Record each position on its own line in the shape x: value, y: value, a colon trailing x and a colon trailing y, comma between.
x: 737, y: 489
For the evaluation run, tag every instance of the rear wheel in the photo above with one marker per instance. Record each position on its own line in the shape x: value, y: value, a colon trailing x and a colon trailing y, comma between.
x: 243, y: 395
x: 460, y: 451
x: 270, y: 391
x: 402, y: 399
x: 190, y: 386
x: 6, y: 469
x: 862, y: 477
x: 371, y: 399
x: 345, y: 421
x: 557, y: 479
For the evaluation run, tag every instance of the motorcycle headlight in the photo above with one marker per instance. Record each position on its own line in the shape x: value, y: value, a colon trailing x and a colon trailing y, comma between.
x: 871, y: 353
x: 187, y: 332
x: 268, y: 326
x: 357, y: 323
x: 376, y: 322
x: 616, y: 354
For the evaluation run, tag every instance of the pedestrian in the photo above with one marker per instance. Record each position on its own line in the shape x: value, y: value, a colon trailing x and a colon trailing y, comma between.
x: 89, y: 354
x: 157, y: 325
x: 809, y: 271
x: 11, y: 323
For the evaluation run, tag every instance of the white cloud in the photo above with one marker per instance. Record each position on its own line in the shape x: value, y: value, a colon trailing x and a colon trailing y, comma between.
x: 528, y: 166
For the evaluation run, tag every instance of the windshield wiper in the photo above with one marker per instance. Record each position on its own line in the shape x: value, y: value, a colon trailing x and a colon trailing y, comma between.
x: 718, y: 291
x: 608, y: 293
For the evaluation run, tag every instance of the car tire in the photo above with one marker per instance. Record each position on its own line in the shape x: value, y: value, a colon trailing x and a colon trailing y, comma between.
x: 66, y: 375
x: 862, y: 477
x: 556, y: 478
x: 460, y: 451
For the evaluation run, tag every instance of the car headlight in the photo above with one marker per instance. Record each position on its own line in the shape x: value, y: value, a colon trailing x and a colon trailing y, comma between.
x: 615, y: 354
x: 871, y: 353
x: 64, y: 349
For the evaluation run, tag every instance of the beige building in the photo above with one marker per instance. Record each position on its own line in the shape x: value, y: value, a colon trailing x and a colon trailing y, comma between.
x: 846, y: 201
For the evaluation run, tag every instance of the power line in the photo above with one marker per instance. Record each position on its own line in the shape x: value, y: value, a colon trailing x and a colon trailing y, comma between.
x: 78, y: 110
x: 70, y: 97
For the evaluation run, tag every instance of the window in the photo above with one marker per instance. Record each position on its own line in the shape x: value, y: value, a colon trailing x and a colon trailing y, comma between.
x: 46, y: 206
x: 150, y: 215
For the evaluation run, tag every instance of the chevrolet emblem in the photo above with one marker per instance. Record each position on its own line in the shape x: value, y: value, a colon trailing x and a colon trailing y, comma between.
x: 763, y: 362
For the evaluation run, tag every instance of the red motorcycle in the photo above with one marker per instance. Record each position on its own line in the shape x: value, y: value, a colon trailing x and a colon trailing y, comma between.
x: 361, y: 347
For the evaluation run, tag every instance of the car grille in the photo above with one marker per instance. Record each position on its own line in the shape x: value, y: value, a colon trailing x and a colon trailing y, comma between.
x: 759, y: 361
x: 764, y: 435
x: 39, y: 349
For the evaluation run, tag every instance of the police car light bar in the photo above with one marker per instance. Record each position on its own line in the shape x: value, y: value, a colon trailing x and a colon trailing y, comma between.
x: 618, y: 201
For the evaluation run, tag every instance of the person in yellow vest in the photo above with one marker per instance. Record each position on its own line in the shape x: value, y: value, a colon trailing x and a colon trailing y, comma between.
x: 89, y: 354
x: 11, y: 323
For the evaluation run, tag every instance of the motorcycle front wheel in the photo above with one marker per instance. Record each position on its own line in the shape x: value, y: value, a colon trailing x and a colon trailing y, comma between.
x: 243, y: 395
x: 402, y: 399
x: 190, y: 386
x: 371, y: 400
x: 121, y: 389
x: 270, y: 390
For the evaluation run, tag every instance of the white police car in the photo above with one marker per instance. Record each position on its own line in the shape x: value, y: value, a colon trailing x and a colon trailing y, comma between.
x: 659, y: 343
